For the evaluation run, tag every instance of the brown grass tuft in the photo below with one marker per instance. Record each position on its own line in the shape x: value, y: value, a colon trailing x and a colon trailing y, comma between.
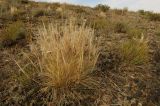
x: 65, y: 58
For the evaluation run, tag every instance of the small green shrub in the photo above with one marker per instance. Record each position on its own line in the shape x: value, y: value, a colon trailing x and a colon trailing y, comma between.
x: 13, y: 32
x: 103, y: 8
x: 134, y: 52
x: 120, y: 27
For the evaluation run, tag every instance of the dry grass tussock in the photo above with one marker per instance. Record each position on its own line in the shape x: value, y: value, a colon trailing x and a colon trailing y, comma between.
x: 135, y: 51
x: 64, y: 59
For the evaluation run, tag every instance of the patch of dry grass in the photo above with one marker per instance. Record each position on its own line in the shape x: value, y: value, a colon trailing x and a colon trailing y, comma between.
x: 65, y: 58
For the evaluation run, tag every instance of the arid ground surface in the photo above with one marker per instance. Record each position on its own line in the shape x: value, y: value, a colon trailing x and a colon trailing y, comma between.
x: 128, y: 65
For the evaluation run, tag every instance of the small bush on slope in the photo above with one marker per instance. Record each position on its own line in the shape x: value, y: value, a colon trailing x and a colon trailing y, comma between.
x: 120, y: 27
x: 103, y: 8
x: 141, y: 12
x: 65, y: 58
x: 12, y: 33
x: 102, y: 25
x: 134, y: 52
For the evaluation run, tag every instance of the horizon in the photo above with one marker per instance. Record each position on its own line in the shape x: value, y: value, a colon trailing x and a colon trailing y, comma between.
x: 132, y: 5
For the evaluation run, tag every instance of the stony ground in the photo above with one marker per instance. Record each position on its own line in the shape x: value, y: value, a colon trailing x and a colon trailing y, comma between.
x: 121, y: 85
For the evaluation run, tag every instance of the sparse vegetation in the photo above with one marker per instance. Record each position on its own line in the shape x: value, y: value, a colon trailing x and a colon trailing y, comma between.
x: 101, y: 57
x: 154, y: 16
x: 120, y: 27
x: 135, y: 32
x: 102, y: 24
x: 13, y: 32
x: 135, y: 52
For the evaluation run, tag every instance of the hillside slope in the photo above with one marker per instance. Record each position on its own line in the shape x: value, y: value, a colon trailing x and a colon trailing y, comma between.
x: 126, y: 71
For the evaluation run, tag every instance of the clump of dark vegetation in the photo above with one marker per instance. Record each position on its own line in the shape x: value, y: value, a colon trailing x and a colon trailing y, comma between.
x: 120, y: 27
x: 141, y: 12
x: 102, y: 7
x: 38, y: 13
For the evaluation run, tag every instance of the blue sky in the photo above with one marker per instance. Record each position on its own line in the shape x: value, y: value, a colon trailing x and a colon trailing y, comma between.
x: 151, y: 5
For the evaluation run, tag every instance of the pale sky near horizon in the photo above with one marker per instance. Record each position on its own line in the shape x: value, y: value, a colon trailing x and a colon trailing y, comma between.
x: 149, y: 5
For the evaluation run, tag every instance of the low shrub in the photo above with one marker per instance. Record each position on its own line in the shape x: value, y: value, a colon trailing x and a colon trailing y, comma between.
x: 102, y: 7
x: 141, y: 12
x: 63, y: 60
x: 13, y: 32
x: 134, y: 52
x: 120, y: 27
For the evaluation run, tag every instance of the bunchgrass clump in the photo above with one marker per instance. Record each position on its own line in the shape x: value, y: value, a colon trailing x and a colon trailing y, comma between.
x: 63, y: 59
x: 134, y: 52
x: 13, y: 32
x: 135, y: 32
x: 120, y: 27
x: 102, y: 24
